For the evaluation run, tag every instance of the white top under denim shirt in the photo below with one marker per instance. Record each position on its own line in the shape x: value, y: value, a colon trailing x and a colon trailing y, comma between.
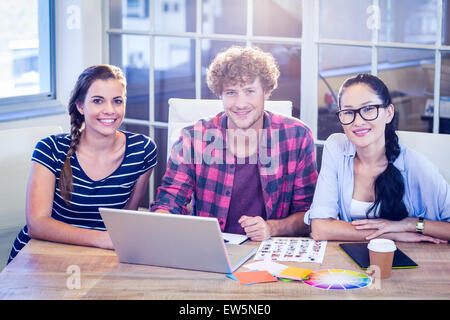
x: 358, y: 210
x: 427, y: 194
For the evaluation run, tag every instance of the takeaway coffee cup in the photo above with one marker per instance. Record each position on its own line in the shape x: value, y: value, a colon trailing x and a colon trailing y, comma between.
x: 381, y: 254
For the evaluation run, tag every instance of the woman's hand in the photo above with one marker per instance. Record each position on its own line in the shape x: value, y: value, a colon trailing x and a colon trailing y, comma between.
x: 384, y: 226
x: 414, y: 237
x: 103, y: 240
x: 403, y: 230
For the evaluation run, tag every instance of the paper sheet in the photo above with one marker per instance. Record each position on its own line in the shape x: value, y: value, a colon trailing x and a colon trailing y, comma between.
x: 267, y: 265
x: 233, y: 238
x: 291, y: 249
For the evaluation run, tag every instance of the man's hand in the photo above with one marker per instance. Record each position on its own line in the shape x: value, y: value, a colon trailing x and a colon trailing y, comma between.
x: 256, y: 228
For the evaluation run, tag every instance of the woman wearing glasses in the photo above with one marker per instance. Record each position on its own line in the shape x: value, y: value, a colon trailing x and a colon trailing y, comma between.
x: 371, y: 186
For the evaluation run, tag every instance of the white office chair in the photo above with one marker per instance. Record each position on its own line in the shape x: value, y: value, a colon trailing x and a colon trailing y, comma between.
x: 16, y: 148
x: 436, y: 147
x: 183, y: 112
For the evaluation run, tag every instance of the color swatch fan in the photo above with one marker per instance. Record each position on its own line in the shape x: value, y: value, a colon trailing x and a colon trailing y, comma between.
x: 338, y: 280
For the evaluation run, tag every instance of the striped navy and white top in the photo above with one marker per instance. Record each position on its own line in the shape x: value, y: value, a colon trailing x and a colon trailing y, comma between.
x: 88, y: 195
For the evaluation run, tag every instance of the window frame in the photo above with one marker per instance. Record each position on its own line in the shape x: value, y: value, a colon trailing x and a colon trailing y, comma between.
x: 198, y: 37
x: 310, y: 42
x: 44, y: 103
x: 438, y: 48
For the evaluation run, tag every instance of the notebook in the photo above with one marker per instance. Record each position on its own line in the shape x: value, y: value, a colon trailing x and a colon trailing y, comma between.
x: 169, y: 240
x: 233, y: 238
x: 359, y: 253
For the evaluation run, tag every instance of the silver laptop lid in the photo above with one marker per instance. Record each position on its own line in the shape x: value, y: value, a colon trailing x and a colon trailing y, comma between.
x: 169, y: 240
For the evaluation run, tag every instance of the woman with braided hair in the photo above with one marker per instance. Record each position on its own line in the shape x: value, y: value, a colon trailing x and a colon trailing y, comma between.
x: 370, y: 185
x: 96, y: 165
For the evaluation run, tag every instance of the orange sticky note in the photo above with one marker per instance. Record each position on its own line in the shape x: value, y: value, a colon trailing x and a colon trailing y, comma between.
x: 294, y: 273
x: 251, y: 277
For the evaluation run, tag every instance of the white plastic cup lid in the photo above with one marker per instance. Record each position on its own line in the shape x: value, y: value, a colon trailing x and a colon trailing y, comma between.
x: 382, y: 245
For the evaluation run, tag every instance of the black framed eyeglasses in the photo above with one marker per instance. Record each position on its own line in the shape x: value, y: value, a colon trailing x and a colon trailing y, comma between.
x: 368, y: 113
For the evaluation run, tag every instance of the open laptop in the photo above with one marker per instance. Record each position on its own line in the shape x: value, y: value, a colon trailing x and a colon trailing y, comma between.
x: 175, y: 241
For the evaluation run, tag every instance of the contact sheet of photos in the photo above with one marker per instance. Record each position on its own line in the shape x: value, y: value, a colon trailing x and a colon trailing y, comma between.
x: 291, y: 249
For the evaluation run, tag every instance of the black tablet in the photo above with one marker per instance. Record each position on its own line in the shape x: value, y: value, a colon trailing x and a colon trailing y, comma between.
x: 360, y: 254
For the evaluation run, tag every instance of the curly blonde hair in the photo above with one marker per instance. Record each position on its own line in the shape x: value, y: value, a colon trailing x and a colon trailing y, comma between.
x: 242, y: 65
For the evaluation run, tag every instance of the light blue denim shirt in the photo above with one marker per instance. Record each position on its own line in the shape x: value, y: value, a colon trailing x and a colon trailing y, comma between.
x: 427, y: 194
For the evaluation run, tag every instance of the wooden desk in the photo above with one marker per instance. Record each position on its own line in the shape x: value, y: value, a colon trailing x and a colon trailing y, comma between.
x: 40, y: 272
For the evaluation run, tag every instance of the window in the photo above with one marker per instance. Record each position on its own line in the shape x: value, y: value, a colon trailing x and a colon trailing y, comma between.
x: 26, y: 53
x: 165, y: 52
x: 318, y: 44
x: 398, y: 40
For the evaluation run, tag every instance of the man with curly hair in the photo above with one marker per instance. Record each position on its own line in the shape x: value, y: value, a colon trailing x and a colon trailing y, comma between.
x: 253, y: 170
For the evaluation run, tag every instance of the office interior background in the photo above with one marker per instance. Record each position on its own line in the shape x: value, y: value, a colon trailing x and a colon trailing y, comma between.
x: 165, y: 46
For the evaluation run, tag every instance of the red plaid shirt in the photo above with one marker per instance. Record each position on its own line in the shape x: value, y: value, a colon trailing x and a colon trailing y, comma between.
x: 201, y: 167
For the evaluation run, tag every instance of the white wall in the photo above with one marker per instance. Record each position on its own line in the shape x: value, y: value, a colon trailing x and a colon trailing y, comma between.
x: 62, y: 120
x: 78, y: 41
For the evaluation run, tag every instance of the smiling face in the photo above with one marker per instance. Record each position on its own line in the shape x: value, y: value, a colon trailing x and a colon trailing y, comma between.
x: 103, y: 107
x: 244, y: 105
x: 363, y: 133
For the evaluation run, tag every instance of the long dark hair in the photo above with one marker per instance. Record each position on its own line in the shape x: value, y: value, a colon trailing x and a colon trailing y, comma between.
x: 389, y: 185
x: 84, y: 82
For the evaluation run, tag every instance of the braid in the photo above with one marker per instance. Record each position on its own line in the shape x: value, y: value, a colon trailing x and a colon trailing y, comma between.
x: 65, y: 179
x: 392, y: 145
x: 389, y: 185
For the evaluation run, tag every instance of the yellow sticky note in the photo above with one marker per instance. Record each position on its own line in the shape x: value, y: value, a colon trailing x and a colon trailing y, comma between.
x: 294, y: 273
